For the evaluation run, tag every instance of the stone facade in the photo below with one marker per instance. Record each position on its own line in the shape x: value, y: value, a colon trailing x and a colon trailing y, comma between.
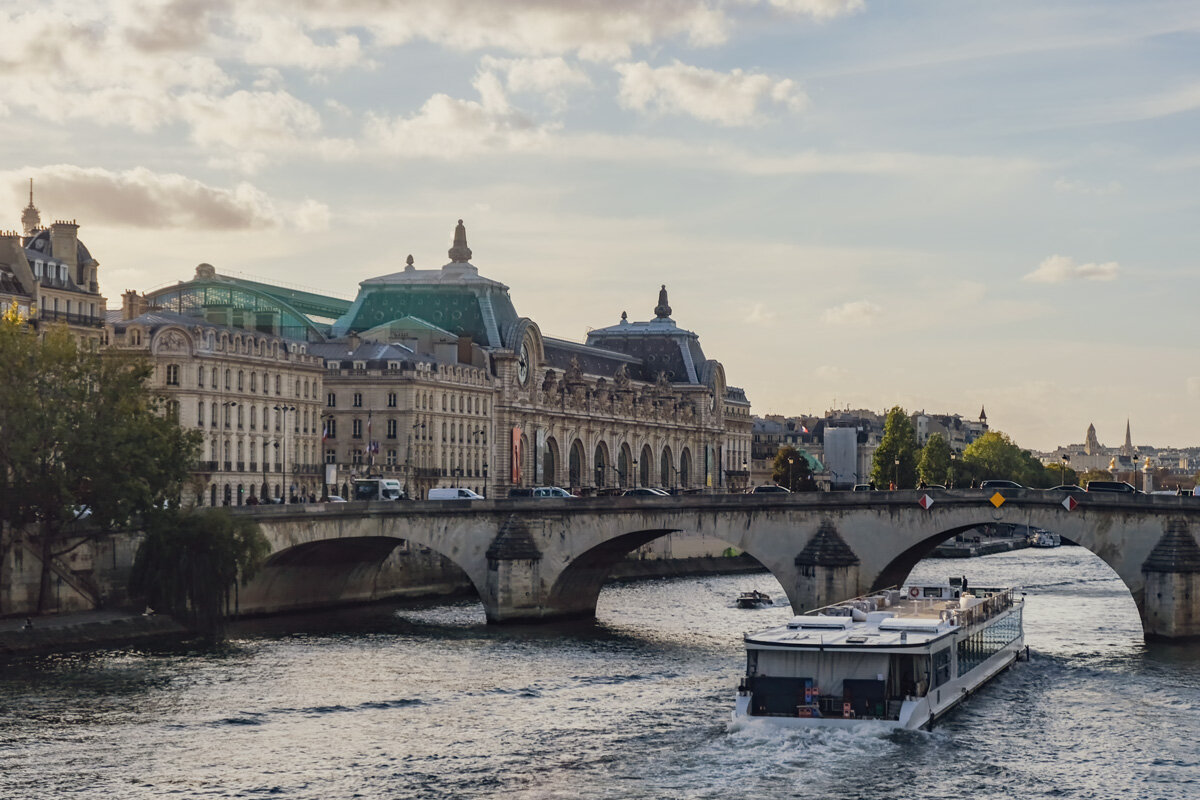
x: 255, y: 398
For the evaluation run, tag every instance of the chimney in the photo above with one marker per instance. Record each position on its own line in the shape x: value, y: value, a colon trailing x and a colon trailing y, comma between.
x: 64, y: 245
x: 133, y: 305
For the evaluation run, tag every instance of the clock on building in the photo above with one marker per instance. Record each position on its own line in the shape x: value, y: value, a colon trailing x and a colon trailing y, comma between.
x: 523, y: 364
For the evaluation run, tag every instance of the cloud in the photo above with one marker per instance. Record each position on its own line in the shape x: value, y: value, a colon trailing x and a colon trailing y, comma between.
x: 1060, y: 269
x: 1067, y: 186
x: 536, y: 75
x: 140, y: 198
x: 726, y: 98
x: 855, y: 312
x: 446, y: 127
x: 819, y: 9
x: 831, y: 374
x: 759, y: 315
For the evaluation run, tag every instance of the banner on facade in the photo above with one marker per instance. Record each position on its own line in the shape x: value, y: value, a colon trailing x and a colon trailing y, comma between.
x: 330, y: 473
x: 516, y: 456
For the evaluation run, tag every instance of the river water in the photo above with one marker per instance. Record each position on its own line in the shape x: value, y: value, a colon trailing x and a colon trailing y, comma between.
x: 429, y: 702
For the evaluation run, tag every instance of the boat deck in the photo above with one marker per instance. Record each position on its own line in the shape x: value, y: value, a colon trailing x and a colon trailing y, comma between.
x: 892, y: 618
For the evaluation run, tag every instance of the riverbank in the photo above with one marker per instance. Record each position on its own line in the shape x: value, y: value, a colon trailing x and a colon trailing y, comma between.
x: 979, y: 547
x: 84, y: 630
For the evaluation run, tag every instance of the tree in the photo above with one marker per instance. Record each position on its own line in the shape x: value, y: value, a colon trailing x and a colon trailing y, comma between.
x: 995, y: 456
x: 85, y: 447
x: 1095, y: 475
x: 792, y: 471
x: 899, y: 442
x: 189, y: 561
x: 934, y: 465
x: 1060, y: 474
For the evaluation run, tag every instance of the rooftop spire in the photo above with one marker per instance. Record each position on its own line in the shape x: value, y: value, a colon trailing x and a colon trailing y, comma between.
x: 1127, y: 449
x: 662, y: 310
x: 460, y: 253
x: 31, y: 220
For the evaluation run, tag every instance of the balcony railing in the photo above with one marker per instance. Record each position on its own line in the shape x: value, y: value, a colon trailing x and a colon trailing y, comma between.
x: 71, y: 318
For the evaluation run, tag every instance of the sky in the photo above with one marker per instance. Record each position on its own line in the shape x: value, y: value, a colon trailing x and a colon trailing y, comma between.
x: 941, y: 205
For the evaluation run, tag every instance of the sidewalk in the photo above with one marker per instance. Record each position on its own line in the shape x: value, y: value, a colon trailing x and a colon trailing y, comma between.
x: 83, y: 630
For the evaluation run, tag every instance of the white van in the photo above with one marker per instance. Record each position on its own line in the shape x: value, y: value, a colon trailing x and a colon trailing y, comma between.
x: 453, y: 494
x: 377, y: 489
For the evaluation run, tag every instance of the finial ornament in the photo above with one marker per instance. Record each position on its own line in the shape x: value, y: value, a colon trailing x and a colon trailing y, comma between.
x: 662, y: 310
x: 460, y: 253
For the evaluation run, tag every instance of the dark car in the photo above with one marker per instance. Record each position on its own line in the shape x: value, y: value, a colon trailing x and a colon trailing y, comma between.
x: 770, y: 488
x: 998, y: 484
x: 1120, y: 487
x: 645, y: 491
x: 1065, y: 487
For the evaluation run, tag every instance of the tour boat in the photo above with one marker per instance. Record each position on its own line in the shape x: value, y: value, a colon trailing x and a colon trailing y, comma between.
x: 1044, y: 538
x: 898, y: 658
x: 753, y: 599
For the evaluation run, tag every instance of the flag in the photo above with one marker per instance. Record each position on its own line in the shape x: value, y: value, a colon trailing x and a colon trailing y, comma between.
x: 803, y: 429
x: 325, y: 433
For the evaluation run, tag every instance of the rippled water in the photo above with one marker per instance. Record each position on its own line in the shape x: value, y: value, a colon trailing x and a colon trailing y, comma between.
x: 430, y: 702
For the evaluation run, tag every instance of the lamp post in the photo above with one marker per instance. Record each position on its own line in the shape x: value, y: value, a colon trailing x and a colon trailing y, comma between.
x: 283, y: 412
x: 745, y: 476
x: 953, y: 458
x: 485, y: 478
x: 408, y: 467
x: 635, y: 473
x: 896, y: 474
x: 791, y: 463
x: 1135, y: 471
x: 1065, y: 460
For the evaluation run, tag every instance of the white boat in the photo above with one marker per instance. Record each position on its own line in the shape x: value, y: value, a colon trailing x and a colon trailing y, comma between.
x: 900, y: 658
x: 1044, y: 538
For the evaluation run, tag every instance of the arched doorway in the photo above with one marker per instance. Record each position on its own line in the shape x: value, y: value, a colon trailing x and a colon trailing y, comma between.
x: 575, y: 465
x: 600, y: 465
x: 550, y: 463
x: 666, y: 469
x: 212, y: 495
x: 624, y: 459
x: 685, y: 469
x: 645, y: 465
x: 228, y: 494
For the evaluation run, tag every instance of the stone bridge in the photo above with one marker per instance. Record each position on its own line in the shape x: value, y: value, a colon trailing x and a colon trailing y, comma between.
x: 540, y: 559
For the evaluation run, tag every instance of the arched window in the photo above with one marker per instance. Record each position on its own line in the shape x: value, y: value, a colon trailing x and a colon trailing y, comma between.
x: 241, y: 381
x: 172, y: 374
x: 575, y: 465
x: 666, y: 469
x: 200, y: 377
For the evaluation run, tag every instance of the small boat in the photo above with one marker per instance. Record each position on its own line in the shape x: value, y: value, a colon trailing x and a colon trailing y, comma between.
x: 754, y: 599
x: 898, y: 658
x: 1044, y: 538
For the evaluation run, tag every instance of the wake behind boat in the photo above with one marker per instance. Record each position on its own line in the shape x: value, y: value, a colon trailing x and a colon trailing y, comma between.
x: 897, y: 658
x: 753, y: 599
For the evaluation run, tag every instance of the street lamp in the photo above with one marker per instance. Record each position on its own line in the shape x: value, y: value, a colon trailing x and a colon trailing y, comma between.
x: 635, y: 473
x: 896, y: 475
x: 283, y: 412
x: 1135, y: 471
x: 791, y: 463
x: 1065, y: 460
x: 485, y: 478
x: 408, y: 467
x: 953, y: 458
x: 745, y: 475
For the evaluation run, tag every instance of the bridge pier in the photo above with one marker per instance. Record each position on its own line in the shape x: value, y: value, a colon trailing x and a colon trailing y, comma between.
x: 827, y: 571
x: 1170, y: 605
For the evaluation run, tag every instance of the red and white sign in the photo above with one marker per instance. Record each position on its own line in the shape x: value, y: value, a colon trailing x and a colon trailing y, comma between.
x: 1070, y: 504
x: 926, y: 501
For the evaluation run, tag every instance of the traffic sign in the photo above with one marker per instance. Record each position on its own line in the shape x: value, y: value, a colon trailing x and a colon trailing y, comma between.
x: 1070, y: 504
x: 997, y: 499
x: 926, y: 501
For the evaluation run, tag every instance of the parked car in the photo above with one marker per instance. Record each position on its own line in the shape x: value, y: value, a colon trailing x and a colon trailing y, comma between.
x: 333, y: 498
x: 1065, y: 487
x: 538, y: 491
x: 999, y: 484
x: 645, y: 491
x: 770, y: 488
x: 1120, y: 487
x: 454, y: 493
x: 863, y: 487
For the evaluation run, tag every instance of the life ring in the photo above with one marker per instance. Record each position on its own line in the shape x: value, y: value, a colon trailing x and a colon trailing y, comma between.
x: 914, y: 593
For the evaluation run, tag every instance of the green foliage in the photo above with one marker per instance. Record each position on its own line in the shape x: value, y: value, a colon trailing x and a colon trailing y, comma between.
x: 995, y: 456
x: 80, y: 429
x: 1058, y: 474
x: 899, y: 442
x: 934, y: 465
x: 791, y: 470
x: 190, y: 560
x: 1095, y: 475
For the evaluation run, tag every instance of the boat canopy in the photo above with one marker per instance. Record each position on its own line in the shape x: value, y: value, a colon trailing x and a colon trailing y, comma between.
x: 821, y: 622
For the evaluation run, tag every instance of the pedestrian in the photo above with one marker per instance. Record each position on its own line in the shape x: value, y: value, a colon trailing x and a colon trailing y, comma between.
x: 28, y: 624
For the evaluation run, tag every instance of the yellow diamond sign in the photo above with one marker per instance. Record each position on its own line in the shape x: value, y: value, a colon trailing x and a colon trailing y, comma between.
x: 997, y: 499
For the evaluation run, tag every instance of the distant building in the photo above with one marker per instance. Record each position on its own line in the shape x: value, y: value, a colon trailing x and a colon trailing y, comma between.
x: 52, y: 276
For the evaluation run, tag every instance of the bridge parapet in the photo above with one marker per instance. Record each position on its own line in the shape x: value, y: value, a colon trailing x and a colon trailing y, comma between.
x: 540, y: 559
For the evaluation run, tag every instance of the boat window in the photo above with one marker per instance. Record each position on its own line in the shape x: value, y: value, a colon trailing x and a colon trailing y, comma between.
x: 933, y: 591
x: 941, y: 666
